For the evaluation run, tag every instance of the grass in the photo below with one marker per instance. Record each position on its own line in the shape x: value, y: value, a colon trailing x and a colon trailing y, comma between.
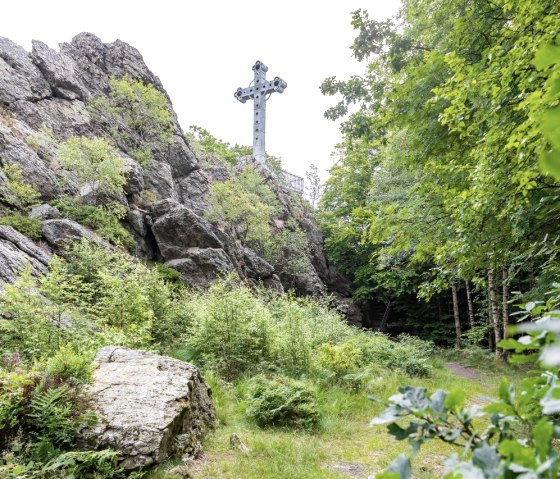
x: 345, y: 441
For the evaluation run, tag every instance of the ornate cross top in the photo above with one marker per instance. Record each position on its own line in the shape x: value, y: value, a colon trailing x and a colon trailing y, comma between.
x: 258, y: 91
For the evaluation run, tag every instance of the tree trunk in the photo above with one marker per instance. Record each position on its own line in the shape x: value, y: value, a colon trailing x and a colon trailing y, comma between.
x: 469, y: 304
x: 456, y: 316
x: 493, y: 298
x: 383, y: 326
x: 505, y: 305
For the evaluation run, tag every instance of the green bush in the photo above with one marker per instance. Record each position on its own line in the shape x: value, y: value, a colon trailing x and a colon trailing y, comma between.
x: 408, y: 354
x: 95, y: 163
x: 340, y: 361
x: 103, y: 219
x: 30, y: 227
x: 229, y: 331
x: 42, y: 408
x: 282, y: 402
x: 139, y: 108
x: 300, y: 325
x: 17, y: 192
x: 245, y: 202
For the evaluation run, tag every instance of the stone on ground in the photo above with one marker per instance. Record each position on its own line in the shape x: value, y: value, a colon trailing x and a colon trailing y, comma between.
x: 149, y: 407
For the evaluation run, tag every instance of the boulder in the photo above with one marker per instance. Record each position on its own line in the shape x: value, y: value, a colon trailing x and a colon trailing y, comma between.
x: 45, y: 212
x: 59, y: 70
x: 200, y: 267
x: 158, y: 179
x: 20, y: 79
x: 257, y: 267
x: 149, y: 407
x: 134, y: 176
x: 136, y: 219
x: 177, y: 229
x: 59, y: 232
x: 17, y: 251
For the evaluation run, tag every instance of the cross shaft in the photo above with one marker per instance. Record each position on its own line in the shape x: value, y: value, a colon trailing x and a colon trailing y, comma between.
x: 257, y: 92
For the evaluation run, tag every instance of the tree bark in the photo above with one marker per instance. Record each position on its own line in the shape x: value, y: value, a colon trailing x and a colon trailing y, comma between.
x: 385, y: 319
x: 469, y: 304
x: 505, y: 304
x: 493, y: 297
x: 456, y: 316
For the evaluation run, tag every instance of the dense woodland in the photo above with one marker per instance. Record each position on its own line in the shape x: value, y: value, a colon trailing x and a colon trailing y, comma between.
x: 442, y: 207
x: 437, y: 194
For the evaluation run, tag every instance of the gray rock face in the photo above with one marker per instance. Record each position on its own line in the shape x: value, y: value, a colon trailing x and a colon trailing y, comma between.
x: 137, y: 220
x: 159, y: 180
x: 60, y: 71
x: 16, y: 251
x: 149, y: 407
x: 179, y: 229
x: 59, y: 232
x: 134, y: 177
x: 45, y: 212
x: 20, y: 79
x: 200, y: 267
x: 257, y: 267
x: 15, y: 151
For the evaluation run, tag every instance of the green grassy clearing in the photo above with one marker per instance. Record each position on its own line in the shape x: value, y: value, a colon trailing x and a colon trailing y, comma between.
x: 344, y: 446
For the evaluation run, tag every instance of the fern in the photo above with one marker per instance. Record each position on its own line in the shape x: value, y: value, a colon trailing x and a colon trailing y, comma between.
x: 86, y: 464
x: 51, y: 413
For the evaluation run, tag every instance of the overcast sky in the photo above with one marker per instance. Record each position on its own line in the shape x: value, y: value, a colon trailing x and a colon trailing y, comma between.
x: 204, y: 50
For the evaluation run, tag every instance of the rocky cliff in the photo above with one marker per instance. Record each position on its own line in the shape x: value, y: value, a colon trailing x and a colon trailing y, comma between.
x: 50, y: 93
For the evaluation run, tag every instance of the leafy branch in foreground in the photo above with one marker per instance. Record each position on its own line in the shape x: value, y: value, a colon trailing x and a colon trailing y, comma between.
x: 516, y: 439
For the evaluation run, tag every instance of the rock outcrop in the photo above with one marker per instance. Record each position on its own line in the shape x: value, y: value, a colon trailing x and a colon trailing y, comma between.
x: 149, y: 407
x: 165, y: 198
x: 18, y: 251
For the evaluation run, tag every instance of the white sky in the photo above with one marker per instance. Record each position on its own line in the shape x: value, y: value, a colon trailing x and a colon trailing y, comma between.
x: 203, y: 50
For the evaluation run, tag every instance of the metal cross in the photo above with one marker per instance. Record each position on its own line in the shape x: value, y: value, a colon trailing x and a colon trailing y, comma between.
x: 257, y: 91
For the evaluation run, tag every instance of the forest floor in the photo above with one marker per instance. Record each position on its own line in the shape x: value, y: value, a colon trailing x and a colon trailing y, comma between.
x: 345, y: 446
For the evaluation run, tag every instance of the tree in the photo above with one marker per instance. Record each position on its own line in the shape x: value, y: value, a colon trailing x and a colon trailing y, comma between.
x: 314, y: 187
x: 451, y: 102
x: 94, y: 163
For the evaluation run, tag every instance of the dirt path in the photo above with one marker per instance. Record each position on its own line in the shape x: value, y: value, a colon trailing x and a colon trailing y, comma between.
x: 474, y: 375
x: 463, y: 371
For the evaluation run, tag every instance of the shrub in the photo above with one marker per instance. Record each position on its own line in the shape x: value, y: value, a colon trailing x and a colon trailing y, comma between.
x: 300, y: 325
x: 139, y: 108
x: 203, y: 143
x: 95, y: 163
x: 103, y: 219
x: 338, y: 360
x: 229, y: 331
x: 30, y: 227
x: 288, y: 252
x: 282, y: 402
x: 42, y: 408
x: 246, y: 202
x: 17, y: 192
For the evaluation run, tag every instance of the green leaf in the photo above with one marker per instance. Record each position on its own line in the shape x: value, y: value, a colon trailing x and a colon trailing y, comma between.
x: 517, y: 454
x: 542, y: 435
x: 550, y: 162
x: 437, y: 401
x: 400, y: 433
x: 399, y: 469
x: 487, y: 458
x: 454, y: 400
x: 546, y: 56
